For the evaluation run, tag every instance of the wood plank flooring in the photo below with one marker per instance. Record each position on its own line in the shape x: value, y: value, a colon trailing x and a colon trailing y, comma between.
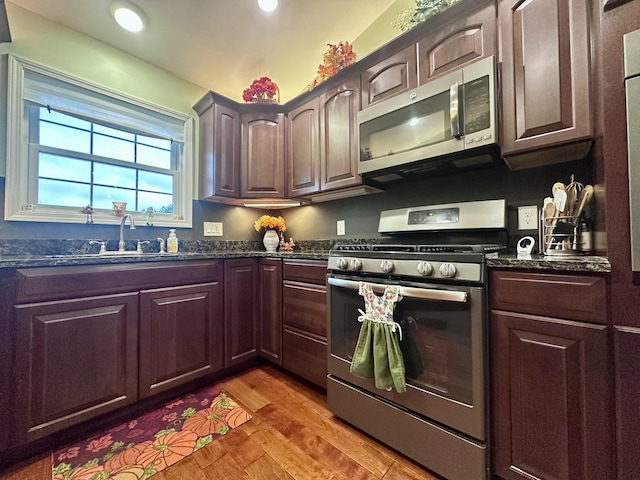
x: 292, y: 436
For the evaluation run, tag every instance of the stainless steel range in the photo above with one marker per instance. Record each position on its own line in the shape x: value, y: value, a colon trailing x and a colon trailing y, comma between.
x: 435, y: 257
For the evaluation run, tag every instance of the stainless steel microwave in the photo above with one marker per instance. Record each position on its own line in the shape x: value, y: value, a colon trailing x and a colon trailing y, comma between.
x: 446, y: 124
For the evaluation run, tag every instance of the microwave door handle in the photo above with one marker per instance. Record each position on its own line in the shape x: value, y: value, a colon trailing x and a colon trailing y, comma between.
x: 409, y: 292
x: 454, y: 110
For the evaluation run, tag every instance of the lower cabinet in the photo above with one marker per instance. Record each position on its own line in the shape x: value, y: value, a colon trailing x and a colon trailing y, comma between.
x: 304, y: 337
x: 551, y: 379
x: 270, y: 322
x: 92, y: 339
x: 75, y: 359
x: 180, y: 332
x: 241, y: 309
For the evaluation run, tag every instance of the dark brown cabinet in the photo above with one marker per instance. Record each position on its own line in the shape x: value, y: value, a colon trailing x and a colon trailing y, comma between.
x: 270, y: 317
x: 551, y: 385
x: 339, y: 150
x: 92, y: 339
x: 546, y: 81
x: 219, y: 173
x: 262, y: 154
x: 394, y: 75
x: 457, y: 43
x: 180, y: 334
x: 75, y: 359
x: 241, y: 297
x: 304, y: 301
x: 303, y: 154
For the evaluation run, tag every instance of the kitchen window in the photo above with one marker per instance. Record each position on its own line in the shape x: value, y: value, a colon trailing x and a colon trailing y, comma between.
x: 72, y: 144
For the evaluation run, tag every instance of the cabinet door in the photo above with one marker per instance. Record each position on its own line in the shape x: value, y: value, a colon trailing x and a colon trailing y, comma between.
x: 303, y: 153
x: 545, y: 81
x: 180, y: 335
x: 241, y: 298
x: 270, y: 332
x: 75, y: 359
x: 339, y: 145
x: 395, y: 74
x: 458, y: 43
x: 551, y: 398
x: 263, y: 143
x: 219, y: 174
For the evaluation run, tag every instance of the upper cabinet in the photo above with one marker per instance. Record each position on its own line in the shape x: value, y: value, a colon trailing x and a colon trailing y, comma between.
x: 219, y: 174
x: 393, y: 75
x: 303, y: 154
x: 263, y: 146
x: 546, y: 101
x: 461, y: 41
x: 339, y: 149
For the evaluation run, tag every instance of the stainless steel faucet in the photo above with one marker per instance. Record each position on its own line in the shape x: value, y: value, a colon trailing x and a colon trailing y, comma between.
x: 132, y: 227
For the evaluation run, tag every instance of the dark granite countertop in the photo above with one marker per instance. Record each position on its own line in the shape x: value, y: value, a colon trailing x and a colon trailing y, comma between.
x: 583, y: 263
x: 587, y: 264
x: 66, y: 260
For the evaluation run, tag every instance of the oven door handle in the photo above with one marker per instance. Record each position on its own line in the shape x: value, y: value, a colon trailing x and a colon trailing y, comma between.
x: 410, y: 292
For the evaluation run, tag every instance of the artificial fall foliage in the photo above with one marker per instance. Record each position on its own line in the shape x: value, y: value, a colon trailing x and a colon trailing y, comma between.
x: 335, y: 58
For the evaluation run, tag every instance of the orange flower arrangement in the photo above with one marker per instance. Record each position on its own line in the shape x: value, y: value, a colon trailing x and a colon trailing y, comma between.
x: 334, y: 59
x: 267, y: 222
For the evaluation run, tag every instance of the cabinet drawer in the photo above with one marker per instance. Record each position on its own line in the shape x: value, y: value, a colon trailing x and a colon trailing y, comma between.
x: 312, y: 271
x: 305, y: 306
x: 305, y: 356
x: 574, y: 297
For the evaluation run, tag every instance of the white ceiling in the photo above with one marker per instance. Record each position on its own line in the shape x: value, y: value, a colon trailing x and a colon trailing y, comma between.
x: 223, y: 45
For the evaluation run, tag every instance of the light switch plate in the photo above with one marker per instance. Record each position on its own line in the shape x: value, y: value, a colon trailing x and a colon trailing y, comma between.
x: 212, y: 229
x: 340, y: 227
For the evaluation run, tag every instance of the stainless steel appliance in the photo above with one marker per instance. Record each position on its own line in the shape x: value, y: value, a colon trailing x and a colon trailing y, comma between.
x: 632, y: 84
x: 436, y: 254
x: 444, y: 125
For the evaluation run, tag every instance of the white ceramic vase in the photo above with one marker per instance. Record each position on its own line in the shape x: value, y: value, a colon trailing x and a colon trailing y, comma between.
x: 271, y: 240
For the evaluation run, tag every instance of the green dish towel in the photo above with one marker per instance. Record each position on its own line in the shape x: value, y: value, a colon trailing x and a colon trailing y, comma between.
x: 377, y: 354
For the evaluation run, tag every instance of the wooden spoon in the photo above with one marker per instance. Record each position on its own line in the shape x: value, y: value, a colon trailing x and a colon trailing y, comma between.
x: 585, y: 196
x: 550, y: 220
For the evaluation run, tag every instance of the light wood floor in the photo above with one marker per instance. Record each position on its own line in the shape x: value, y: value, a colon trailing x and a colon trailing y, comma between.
x: 292, y: 436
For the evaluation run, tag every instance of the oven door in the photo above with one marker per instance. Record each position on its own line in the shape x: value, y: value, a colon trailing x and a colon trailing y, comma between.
x: 443, y: 345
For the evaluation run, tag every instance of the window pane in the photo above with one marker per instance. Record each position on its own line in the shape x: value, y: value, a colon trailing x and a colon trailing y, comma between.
x: 156, y: 182
x: 155, y: 142
x: 64, y: 168
x: 68, y: 194
x: 160, y: 203
x: 104, y: 196
x: 154, y: 156
x: 69, y: 138
x: 114, y: 176
x: 56, y: 117
x: 113, y: 148
x: 113, y: 132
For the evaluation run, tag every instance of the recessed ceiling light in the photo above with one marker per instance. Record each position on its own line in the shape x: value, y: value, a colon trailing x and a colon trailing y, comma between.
x: 268, y: 5
x: 128, y: 17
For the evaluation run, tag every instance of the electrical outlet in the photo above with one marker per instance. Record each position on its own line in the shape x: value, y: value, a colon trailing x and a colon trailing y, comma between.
x: 340, y: 227
x: 212, y: 229
x: 528, y: 217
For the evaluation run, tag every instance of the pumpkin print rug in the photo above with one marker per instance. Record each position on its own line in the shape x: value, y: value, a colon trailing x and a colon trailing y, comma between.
x: 142, y: 447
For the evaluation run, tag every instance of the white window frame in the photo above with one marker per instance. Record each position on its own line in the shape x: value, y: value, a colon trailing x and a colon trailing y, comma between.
x: 19, y: 174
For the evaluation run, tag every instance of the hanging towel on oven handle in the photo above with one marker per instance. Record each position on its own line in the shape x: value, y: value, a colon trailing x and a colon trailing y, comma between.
x: 377, y: 354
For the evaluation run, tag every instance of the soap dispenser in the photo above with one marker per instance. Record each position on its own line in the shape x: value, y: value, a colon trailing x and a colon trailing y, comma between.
x: 172, y: 242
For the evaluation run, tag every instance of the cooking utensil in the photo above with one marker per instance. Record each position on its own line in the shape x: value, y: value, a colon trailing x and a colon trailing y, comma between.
x: 584, y: 198
x: 549, y: 220
x: 559, y: 192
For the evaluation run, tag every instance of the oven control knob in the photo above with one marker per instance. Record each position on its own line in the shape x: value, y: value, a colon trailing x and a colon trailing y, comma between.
x: 355, y: 264
x: 448, y: 270
x: 387, y: 266
x: 343, y: 263
x: 425, y: 269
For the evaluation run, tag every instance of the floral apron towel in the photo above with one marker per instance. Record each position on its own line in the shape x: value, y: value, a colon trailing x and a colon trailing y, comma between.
x: 377, y: 354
